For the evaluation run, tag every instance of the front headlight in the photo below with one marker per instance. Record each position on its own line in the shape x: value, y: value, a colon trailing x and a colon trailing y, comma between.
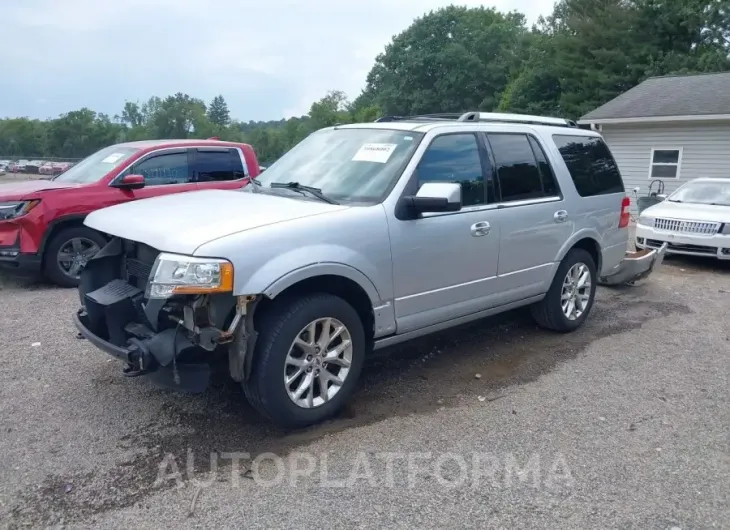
x: 13, y: 209
x: 174, y: 274
x: 646, y: 220
x: 725, y: 229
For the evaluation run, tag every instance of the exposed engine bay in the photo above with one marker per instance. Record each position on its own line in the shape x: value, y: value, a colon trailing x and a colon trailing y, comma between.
x: 174, y: 340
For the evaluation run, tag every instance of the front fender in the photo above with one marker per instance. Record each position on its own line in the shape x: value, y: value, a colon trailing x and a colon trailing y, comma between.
x: 291, y: 267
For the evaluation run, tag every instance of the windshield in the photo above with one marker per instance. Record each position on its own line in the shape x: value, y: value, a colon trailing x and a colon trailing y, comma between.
x: 94, y: 167
x: 358, y: 165
x: 703, y: 192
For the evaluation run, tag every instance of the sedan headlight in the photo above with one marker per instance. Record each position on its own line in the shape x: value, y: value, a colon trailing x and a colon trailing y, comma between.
x: 725, y: 229
x: 13, y: 209
x: 174, y: 274
x: 646, y: 220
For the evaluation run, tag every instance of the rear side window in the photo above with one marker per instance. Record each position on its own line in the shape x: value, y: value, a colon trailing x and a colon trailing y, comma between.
x: 549, y: 184
x: 523, y: 171
x: 593, y: 169
x: 217, y: 165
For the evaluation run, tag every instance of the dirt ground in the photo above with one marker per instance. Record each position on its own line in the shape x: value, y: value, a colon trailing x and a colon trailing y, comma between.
x: 622, y: 424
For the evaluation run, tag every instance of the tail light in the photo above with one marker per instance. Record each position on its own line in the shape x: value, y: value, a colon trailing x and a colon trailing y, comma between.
x: 624, y: 219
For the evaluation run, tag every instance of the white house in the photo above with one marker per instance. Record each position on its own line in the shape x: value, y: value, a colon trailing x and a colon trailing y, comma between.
x: 673, y: 128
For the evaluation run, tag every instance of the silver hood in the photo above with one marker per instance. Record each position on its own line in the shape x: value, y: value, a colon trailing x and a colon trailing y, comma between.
x: 183, y: 222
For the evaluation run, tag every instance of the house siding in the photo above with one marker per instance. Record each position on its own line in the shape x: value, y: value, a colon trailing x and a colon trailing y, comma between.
x: 705, y: 152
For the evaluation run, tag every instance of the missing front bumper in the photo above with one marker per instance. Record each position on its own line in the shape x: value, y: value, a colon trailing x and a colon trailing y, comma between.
x: 636, y: 266
x: 149, y: 356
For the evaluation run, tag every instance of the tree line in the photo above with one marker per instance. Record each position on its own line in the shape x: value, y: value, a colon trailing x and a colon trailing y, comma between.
x: 453, y: 59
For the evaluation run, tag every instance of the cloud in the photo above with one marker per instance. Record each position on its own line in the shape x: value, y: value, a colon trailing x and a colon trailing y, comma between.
x: 269, y: 59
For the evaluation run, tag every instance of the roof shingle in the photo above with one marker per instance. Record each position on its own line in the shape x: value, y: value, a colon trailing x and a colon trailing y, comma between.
x: 688, y: 95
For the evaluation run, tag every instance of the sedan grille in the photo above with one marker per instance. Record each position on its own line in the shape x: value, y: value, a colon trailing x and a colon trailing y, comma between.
x: 687, y: 227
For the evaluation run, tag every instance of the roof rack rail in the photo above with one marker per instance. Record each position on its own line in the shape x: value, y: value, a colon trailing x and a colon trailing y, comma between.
x: 502, y: 117
x: 422, y: 117
x: 516, y: 118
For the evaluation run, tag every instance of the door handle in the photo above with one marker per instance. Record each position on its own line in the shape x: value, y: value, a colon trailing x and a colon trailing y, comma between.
x: 480, y: 229
x: 560, y: 216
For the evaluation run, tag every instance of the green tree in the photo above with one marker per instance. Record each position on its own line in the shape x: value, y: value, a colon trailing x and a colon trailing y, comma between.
x: 450, y: 60
x: 329, y: 110
x: 132, y: 115
x: 178, y: 116
x: 218, y: 112
x: 23, y: 137
x: 535, y: 87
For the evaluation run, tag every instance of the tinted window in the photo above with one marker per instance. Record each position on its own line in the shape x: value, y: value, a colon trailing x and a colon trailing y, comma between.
x: 455, y: 158
x: 549, y: 184
x: 590, y: 164
x: 517, y: 171
x: 213, y: 166
x: 171, y: 168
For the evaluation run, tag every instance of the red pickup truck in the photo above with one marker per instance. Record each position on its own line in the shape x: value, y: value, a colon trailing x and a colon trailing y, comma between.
x: 41, y: 221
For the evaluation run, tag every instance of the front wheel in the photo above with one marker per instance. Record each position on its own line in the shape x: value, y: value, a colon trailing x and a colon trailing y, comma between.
x: 570, y: 297
x: 307, y: 360
x: 68, y: 252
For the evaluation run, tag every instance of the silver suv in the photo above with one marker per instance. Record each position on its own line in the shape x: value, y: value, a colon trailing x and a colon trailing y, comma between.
x: 360, y: 237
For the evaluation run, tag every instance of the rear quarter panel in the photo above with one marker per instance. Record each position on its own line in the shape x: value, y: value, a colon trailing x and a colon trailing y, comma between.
x: 595, y: 217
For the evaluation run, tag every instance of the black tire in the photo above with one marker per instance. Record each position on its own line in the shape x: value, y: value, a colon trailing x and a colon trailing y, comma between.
x: 278, y: 327
x: 51, y: 267
x: 548, y: 313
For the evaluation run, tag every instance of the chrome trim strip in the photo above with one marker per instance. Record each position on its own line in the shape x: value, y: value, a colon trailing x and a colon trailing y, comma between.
x: 441, y: 289
x: 528, y: 202
x: 551, y: 264
x: 494, y: 206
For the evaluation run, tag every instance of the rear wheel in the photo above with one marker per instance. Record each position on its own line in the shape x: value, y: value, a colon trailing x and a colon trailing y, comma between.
x: 68, y: 252
x: 307, y: 360
x: 570, y: 298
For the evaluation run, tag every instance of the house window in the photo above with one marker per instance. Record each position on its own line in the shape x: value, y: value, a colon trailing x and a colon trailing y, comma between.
x: 665, y: 163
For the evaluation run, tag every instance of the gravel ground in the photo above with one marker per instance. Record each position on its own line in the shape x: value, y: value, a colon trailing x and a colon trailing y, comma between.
x: 622, y: 424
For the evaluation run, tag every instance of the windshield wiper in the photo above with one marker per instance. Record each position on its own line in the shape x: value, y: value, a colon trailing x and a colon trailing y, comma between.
x: 309, y: 189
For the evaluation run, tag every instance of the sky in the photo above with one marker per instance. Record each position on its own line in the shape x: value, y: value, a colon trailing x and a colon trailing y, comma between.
x: 270, y: 59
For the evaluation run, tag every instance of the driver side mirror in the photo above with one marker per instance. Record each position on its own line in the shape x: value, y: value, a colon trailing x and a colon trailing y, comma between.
x: 434, y: 197
x: 131, y: 182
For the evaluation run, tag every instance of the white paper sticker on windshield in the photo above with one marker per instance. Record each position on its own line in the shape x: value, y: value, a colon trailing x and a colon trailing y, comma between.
x: 375, y: 153
x: 112, y: 158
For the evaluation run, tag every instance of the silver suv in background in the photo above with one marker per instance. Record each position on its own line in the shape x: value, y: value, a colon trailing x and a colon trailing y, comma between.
x: 360, y: 237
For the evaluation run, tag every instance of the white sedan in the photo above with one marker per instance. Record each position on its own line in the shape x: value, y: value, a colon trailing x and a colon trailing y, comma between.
x: 694, y: 220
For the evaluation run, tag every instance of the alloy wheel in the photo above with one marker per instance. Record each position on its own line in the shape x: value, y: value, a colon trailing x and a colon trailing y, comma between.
x: 576, y: 293
x: 74, y: 254
x: 318, y: 362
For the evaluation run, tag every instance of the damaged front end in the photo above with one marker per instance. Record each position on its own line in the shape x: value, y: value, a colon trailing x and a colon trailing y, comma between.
x: 172, y: 318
